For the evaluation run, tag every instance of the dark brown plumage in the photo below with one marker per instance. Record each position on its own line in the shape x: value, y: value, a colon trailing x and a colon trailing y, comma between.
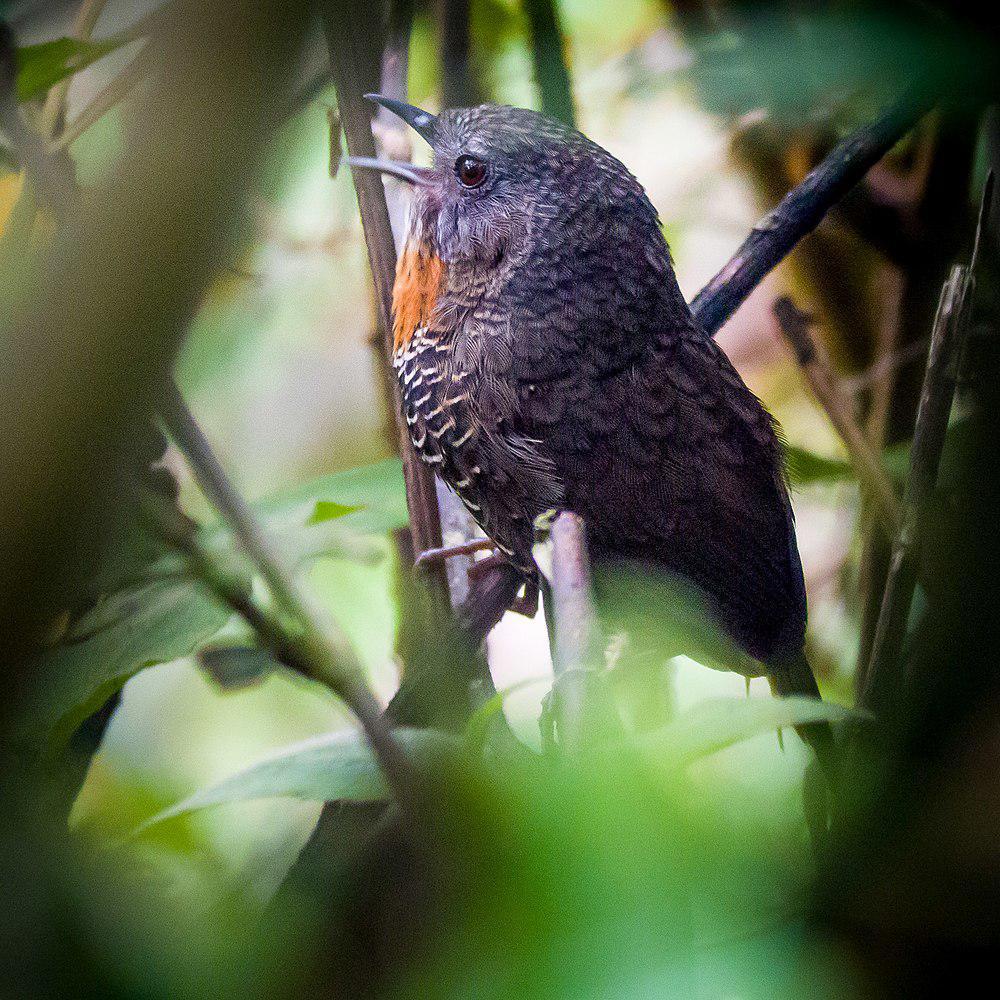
x: 548, y: 360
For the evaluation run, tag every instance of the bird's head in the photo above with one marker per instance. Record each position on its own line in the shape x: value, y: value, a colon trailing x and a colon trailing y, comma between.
x: 514, y: 192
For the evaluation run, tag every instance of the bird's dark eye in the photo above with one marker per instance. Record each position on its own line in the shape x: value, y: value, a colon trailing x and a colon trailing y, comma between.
x: 470, y: 171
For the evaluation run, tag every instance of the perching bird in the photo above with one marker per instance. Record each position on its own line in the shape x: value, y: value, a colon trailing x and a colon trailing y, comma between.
x: 547, y: 359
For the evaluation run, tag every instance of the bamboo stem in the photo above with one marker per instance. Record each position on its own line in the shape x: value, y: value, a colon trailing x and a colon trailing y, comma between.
x: 349, y: 30
x: 548, y: 55
x: 882, y: 678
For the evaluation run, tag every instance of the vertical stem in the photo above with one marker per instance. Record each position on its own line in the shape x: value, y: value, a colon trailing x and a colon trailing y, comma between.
x: 939, y: 210
x: 581, y: 705
x: 350, y: 30
x: 458, y: 84
x: 549, y: 57
x: 875, y: 483
x: 572, y: 601
x: 459, y: 89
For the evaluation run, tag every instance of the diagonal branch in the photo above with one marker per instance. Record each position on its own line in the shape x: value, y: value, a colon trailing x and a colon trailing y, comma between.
x: 312, y: 647
x: 112, y: 94
x: 217, y: 487
x: 802, y: 210
x: 875, y: 482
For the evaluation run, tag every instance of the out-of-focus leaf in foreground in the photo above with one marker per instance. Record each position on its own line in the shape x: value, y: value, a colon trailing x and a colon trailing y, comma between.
x: 662, y: 617
x: 597, y: 876
x: 341, y: 765
x: 717, y: 723
x: 607, y: 878
x: 156, y: 613
x: 833, y: 58
x: 45, y: 64
x: 323, y: 769
x: 153, y: 622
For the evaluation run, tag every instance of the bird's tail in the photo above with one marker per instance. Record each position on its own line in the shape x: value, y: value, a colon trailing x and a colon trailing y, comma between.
x: 793, y: 676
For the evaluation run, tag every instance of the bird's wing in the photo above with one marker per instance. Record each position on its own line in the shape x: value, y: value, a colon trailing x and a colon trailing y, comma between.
x: 673, y: 462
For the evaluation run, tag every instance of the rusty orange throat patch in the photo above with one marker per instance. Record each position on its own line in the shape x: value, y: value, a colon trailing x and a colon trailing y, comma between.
x: 419, y: 277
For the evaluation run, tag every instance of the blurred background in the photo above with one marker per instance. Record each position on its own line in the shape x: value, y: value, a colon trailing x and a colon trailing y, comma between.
x: 718, y: 108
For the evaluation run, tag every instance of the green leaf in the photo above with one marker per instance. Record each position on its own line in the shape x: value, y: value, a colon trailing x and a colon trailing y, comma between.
x: 235, y: 668
x: 806, y: 467
x: 717, y: 723
x: 41, y: 66
x: 323, y: 769
x: 369, y: 499
x: 152, y: 623
x: 167, y: 615
x: 330, y: 510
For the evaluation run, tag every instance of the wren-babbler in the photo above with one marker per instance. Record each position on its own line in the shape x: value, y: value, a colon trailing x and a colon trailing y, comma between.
x: 547, y: 359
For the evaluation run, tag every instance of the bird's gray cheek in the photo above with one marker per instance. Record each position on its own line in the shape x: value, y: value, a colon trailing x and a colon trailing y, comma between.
x: 449, y: 236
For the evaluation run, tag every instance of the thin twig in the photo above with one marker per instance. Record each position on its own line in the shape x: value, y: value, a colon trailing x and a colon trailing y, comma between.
x: 884, y: 367
x: 801, y: 211
x: 279, y: 577
x: 875, y: 482
x: 947, y: 344
x: 549, y: 59
x: 329, y: 654
x: 217, y: 487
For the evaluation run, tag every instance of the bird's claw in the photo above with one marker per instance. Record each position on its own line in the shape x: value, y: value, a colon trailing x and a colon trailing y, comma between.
x: 431, y: 557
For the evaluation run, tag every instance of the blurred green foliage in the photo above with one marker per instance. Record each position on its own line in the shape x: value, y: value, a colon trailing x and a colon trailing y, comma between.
x: 41, y: 66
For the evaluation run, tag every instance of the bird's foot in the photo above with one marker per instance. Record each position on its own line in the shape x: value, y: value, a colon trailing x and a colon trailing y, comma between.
x: 526, y: 604
x: 431, y: 557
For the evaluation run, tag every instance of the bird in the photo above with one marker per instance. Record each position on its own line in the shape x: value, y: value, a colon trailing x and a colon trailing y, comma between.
x: 547, y: 360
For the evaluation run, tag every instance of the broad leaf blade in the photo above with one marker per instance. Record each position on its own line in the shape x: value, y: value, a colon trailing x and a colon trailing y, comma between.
x: 369, y: 499
x: 326, y: 768
x: 717, y: 723
x: 152, y: 623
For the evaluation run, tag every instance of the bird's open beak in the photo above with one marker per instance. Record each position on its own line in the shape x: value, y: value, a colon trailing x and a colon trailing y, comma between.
x: 422, y: 122
x: 404, y: 171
